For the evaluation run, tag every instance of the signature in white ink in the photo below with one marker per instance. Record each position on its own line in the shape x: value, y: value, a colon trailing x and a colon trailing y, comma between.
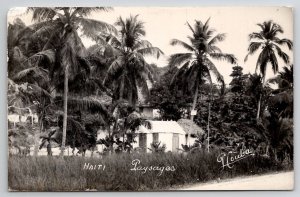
x: 228, y: 159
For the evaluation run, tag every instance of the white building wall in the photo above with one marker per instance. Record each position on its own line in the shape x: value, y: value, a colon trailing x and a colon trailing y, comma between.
x: 166, y: 138
x: 163, y: 138
x: 149, y: 141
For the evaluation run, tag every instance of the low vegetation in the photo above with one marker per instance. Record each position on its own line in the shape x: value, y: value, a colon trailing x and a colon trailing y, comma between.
x: 47, y: 173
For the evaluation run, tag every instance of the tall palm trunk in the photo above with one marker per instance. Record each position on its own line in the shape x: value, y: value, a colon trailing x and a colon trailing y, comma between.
x: 195, y: 100
x: 66, y: 80
x: 208, y: 118
x: 208, y: 128
x: 37, y: 137
x: 38, y: 132
x: 259, y: 101
x: 258, y: 108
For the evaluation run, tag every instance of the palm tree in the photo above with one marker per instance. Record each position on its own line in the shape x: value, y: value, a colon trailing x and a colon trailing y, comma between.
x: 61, y: 24
x: 125, y: 53
x: 267, y: 42
x: 197, y: 64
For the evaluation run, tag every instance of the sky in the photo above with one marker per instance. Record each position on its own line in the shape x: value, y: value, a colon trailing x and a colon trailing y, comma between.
x: 165, y: 23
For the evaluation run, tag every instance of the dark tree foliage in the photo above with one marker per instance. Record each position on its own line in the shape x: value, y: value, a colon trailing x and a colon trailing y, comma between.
x: 238, y: 80
x: 171, y: 103
x: 232, y: 116
x: 279, y: 119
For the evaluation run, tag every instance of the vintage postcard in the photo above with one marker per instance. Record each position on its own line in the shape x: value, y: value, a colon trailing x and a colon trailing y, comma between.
x: 150, y: 98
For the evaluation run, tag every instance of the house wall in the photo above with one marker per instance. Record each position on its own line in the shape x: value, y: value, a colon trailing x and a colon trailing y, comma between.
x: 149, y: 141
x: 164, y: 138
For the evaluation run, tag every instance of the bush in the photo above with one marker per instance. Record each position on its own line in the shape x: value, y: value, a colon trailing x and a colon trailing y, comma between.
x: 67, y: 174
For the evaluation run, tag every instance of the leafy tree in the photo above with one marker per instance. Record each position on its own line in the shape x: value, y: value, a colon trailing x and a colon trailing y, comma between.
x: 238, y: 80
x: 170, y: 101
x: 267, y: 42
x: 232, y: 118
x: 125, y: 121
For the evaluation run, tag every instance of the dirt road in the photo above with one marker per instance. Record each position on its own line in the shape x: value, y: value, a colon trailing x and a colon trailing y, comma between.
x: 278, y: 181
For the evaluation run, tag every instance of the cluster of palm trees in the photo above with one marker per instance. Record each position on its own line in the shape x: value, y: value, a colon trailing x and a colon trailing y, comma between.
x: 196, y: 66
x: 50, y: 68
x: 60, y: 69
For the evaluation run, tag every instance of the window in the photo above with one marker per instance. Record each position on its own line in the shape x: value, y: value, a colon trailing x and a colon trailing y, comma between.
x: 155, y: 137
x: 175, y: 142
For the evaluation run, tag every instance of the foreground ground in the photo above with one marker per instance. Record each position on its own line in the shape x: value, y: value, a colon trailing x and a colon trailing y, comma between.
x: 120, y: 172
x: 278, y: 181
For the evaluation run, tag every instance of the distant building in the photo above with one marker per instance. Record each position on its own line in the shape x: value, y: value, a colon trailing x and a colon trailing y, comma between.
x: 169, y: 133
x: 148, y: 111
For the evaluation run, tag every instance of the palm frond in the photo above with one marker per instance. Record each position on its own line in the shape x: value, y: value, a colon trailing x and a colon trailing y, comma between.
x: 214, y: 49
x: 32, y: 72
x: 273, y: 61
x: 181, y: 43
x: 90, y: 104
x: 262, y: 61
x: 44, y: 28
x: 217, y: 38
x: 179, y: 59
x: 42, y: 14
x: 91, y: 27
x: 183, y: 69
x: 212, y: 68
x: 284, y: 41
x: 255, y: 35
x: 46, y: 54
x: 254, y: 46
x: 86, y: 11
x: 140, y: 44
x: 190, y: 27
x: 224, y: 57
x: 155, y: 51
x: 282, y: 54
x: 114, y: 69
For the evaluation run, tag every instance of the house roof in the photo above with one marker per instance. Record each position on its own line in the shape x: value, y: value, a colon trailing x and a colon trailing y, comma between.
x: 162, y: 127
x: 190, y: 127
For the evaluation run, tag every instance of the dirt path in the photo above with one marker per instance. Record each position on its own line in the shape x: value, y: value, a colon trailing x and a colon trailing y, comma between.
x: 276, y: 181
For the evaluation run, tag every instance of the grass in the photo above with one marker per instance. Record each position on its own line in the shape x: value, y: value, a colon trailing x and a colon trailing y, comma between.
x: 67, y: 174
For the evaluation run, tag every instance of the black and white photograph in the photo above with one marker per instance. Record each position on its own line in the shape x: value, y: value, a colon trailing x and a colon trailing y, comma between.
x: 150, y: 98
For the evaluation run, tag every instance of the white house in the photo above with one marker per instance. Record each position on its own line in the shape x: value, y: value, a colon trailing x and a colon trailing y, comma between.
x: 169, y: 133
